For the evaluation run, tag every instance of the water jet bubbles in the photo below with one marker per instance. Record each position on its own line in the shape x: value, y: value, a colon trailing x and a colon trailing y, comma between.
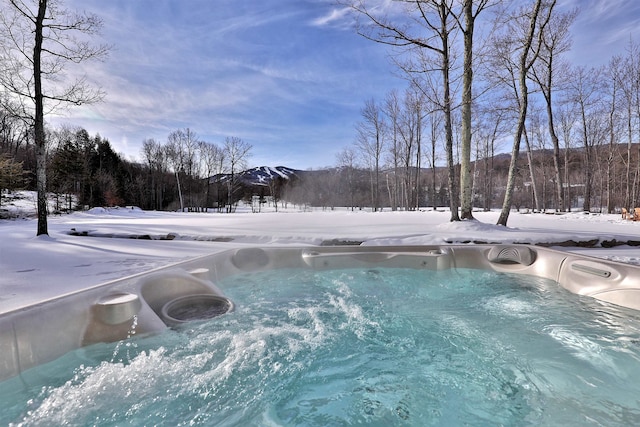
x: 127, y: 343
x: 134, y: 324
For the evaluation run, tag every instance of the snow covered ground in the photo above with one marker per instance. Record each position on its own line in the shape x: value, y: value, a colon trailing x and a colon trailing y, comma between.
x: 99, y: 245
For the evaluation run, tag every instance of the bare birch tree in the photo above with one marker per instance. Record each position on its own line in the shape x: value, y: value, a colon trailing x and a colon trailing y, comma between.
x: 409, y: 131
x: 535, y: 20
x: 38, y: 39
x: 435, y: 130
x: 175, y: 156
x: 470, y: 9
x: 490, y: 129
x: 555, y: 41
x: 181, y: 152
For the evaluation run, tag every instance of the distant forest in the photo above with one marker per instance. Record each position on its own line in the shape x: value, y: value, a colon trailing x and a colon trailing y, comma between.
x: 84, y: 171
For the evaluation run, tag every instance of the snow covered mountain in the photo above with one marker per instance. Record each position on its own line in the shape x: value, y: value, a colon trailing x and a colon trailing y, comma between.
x: 261, y: 175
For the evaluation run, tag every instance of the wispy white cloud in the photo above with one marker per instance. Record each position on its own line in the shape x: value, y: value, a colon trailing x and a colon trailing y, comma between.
x: 602, y: 28
x: 333, y: 16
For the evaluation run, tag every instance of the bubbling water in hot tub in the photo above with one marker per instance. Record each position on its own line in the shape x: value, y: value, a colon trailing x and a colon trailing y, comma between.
x: 371, y: 346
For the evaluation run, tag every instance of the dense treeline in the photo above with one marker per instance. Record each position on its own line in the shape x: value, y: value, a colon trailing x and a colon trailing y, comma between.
x: 85, y: 171
x: 82, y: 170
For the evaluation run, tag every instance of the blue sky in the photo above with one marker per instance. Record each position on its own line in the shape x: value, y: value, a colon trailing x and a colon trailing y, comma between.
x: 287, y: 76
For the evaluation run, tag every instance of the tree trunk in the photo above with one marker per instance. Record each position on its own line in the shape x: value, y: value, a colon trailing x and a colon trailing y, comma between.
x: 635, y: 181
x: 627, y: 197
x: 418, y: 153
x: 41, y: 150
x: 567, y: 181
x: 180, y: 193
x: 556, y: 156
x: 376, y: 195
x: 433, y: 165
x: 515, y: 152
x: 610, y: 168
x: 451, y: 171
x: 466, y: 198
x: 532, y: 174
x: 588, y: 175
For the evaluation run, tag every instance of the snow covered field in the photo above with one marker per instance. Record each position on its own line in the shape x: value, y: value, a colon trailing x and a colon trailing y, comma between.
x: 96, y: 246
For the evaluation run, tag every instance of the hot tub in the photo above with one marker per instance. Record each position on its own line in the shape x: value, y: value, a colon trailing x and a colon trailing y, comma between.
x: 36, y: 334
x: 202, y: 290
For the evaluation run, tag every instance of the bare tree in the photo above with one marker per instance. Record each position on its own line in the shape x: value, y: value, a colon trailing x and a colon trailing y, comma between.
x: 236, y: 154
x: 567, y: 116
x: 612, y: 84
x: 489, y: 130
x: 347, y: 163
x: 182, y: 151
x: 410, y: 130
x: 156, y: 160
x: 392, y: 111
x: 211, y: 159
x: 467, y: 27
x: 534, y: 21
x: 629, y: 83
x: 435, y: 130
x: 409, y: 147
x: 417, y: 109
x: 13, y: 131
x: 37, y: 41
x: 371, y: 141
x: 555, y: 41
x: 585, y: 93
x: 536, y: 141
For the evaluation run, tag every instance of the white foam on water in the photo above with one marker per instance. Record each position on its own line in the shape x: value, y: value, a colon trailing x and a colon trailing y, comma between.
x: 585, y: 349
x: 504, y: 305
x: 200, y: 366
x: 355, y: 318
x: 107, y: 385
x: 316, y: 331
